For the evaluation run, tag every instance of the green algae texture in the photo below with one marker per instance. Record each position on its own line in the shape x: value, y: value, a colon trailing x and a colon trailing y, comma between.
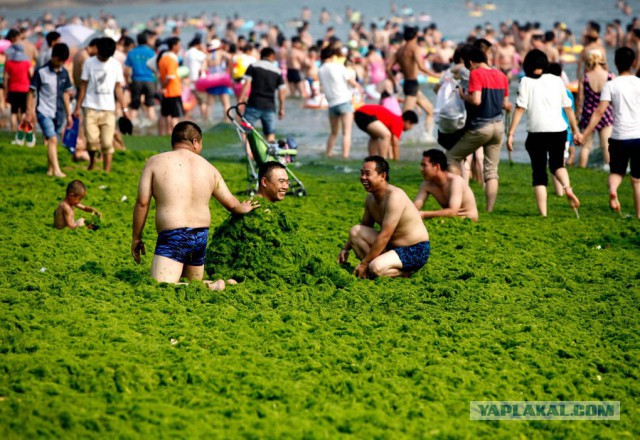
x: 516, y: 307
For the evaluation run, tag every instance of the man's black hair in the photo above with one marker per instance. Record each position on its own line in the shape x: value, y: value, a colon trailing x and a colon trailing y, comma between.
x: 106, y: 47
x: 624, y: 59
x: 266, y: 167
x: 266, y: 52
x: 534, y: 60
x: 382, y: 166
x: 436, y: 157
x: 52, y: 37
x: 60, y: 51
x: 410, y: 116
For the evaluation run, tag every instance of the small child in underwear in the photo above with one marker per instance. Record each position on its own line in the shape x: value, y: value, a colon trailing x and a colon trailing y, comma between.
x: 63, y: 216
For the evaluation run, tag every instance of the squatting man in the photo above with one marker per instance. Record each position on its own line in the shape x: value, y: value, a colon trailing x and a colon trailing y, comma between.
x: 402, y: 245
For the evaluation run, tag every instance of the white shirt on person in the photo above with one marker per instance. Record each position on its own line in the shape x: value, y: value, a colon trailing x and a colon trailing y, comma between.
x: 334, y: 78
x: 101, y: 78
x: 193, y: 59
x: 623, y: 92
x: 544, y: 99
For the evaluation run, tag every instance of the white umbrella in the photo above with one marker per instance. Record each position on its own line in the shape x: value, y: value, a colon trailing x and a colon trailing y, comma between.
x: 75, y: 34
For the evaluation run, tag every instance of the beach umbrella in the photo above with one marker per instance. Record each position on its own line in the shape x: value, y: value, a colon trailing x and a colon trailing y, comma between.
x: 75, y: 34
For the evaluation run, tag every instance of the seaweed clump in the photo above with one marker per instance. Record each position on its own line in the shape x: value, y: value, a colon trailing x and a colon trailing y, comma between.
x: 265, y: 245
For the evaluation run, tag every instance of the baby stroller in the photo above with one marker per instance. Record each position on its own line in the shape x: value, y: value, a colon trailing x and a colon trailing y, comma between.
x: 284, y: 151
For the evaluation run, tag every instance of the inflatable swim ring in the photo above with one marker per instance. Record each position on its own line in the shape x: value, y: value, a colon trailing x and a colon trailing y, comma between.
x: 220, y: 79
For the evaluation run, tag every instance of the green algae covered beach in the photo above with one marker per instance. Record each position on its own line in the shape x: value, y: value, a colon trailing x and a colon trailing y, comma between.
x: 516, y: 307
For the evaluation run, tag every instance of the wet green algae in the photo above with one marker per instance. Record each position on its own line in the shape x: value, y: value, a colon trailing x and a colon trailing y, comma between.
x: 515, y: 307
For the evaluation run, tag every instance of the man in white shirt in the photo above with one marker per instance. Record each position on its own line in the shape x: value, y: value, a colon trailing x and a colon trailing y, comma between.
x: 101, y: 77
x: 335, y: 80
x: 623, y: 93
x: 196, y: 60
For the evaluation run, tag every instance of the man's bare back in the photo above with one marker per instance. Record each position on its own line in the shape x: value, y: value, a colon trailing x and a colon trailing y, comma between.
x: 408, y: 58
x: 182, y: 184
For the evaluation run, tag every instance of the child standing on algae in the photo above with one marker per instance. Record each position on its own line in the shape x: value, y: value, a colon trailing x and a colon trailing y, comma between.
x: 64, y: 214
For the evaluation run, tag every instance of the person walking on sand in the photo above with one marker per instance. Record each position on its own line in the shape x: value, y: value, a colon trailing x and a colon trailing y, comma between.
x: 623, y: 93
x: 543, y: 97
x: 402, y: 245
x: 451, y: 191
x: 181, y: 182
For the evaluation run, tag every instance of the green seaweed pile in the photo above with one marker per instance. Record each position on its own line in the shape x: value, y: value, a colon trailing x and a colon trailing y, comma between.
x: 267, y: 245
x: 516, y: 307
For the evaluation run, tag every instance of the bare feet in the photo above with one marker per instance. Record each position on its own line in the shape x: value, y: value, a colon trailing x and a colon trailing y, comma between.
x: 573, y: 200
x: 614, y: 203
x: 232, y: 282
x: 60, y: 174
x: 215, y: 285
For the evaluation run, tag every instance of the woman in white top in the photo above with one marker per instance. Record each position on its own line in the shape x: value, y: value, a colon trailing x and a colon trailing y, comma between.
x: 543, y: 97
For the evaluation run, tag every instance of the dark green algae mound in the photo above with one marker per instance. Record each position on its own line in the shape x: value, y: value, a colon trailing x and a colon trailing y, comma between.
x: 267, y: 245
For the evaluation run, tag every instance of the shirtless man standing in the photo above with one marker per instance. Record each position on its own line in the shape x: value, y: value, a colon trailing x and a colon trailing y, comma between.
x: 409, y: 59
x: 402, y: 245
x: 450, y: 190
x: 181, y: 182
x: 296, y: 59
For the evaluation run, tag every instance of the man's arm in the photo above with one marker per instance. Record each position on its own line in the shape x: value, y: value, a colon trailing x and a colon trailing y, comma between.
x: 421, y: 198
x: 228, y: 200
x: 81, y: 94
x: 473, y: 98
x: 420, y: 61
x: 455, y: 202
x: 595, y: 118
x: 120, y: 98
x: 66, y: 98
x: 244, y: 95
x: 140, y: 211
x: 393, y: 213
x: 367, y: 220
x: 281, y: 98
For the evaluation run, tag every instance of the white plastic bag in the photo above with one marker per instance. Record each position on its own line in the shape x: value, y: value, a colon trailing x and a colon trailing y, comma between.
x: 450, y: 113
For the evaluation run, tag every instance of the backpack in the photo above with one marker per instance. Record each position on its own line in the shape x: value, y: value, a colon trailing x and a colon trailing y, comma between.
x: 450, y: 113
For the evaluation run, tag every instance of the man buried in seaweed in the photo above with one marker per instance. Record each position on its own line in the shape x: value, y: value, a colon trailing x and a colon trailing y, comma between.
x: 181, y: 182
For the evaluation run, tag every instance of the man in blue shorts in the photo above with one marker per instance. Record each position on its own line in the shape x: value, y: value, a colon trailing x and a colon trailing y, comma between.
x: 181, y: 182
x: 402, y: 245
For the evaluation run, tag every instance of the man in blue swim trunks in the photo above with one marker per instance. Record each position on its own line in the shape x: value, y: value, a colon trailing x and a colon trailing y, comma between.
x: 402, y: 245
x: 182, y: 183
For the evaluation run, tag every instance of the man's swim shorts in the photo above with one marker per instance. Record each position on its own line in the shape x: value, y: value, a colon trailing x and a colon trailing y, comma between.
x: 410, y: 87
x: 414, y: 257
x: 184, y: 245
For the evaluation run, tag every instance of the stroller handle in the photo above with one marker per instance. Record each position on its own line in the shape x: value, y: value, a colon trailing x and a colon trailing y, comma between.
x: 236, y: 109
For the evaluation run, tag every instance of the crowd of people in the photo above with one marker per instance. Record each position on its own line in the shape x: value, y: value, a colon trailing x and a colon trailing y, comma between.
x: 120, y: 76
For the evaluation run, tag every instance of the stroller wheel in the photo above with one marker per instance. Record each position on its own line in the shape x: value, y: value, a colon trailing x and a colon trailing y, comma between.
x: 300, y: 193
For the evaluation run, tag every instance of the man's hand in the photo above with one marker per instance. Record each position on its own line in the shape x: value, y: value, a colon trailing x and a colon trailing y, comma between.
x: 510, y: 142
x: 250, y: 205
x: 344, y: 256
x: 281, y: 113
x: 76, y: 112
x: 29, y: 118
x: 362, y: 270
x: 69, y: 122
x: 578, y: 138
x: 137, y: 248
